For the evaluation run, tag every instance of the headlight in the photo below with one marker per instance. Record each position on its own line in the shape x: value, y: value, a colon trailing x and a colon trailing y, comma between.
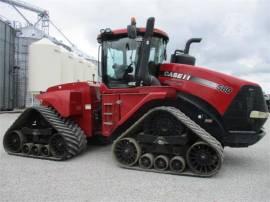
x: 258, y: 115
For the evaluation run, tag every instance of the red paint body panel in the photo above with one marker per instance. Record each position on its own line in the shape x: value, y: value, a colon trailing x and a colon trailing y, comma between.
x: 218, y: 99
x: 68, y: 103
x: 118, y: 105
x: 123, y: 103
x: 75, y: 100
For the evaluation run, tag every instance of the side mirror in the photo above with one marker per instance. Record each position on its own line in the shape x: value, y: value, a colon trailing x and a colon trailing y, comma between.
x: 131, y: 29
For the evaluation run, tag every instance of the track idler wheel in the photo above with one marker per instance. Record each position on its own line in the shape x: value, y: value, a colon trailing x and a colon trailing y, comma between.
x: 127, y: 151
x: 13, y: 141
x: 177, y: 164
x: 203, y: 159
x: 45, y: 150
x: 27, y: 148
x: 58, y: 146
x: 146, y: 160
x: 161, y: 162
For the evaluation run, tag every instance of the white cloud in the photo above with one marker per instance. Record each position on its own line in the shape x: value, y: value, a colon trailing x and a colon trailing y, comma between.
x: 235, y: 32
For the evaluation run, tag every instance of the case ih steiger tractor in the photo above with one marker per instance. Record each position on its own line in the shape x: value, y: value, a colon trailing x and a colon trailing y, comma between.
x: 164, y: 117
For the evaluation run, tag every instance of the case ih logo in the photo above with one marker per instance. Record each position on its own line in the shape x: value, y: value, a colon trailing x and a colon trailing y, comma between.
x: 201, y: 81
x: 177, y: 75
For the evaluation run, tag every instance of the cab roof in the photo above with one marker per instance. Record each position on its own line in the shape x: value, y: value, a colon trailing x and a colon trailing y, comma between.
x: 118, y: 33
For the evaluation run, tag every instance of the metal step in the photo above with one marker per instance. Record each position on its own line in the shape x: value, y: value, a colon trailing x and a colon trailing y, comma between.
x: 108, y: 113
x: 108, y: 123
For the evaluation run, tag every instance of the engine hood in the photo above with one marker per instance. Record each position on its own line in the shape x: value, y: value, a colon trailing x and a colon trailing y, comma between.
x: 218, y: 89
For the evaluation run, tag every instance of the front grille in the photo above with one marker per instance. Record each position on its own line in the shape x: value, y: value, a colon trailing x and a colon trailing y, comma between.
x: 248, y: 99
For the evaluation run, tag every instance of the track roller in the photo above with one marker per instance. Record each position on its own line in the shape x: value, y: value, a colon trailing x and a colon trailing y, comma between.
x: 13, y: 141
x: 146, y: 160
x: 45, y: 150
x: 35, y: 150
x: 177, y: 164
x: 26, y: 149
x: 203, y: 159
x: 127, y: 151
x: 161, y: 162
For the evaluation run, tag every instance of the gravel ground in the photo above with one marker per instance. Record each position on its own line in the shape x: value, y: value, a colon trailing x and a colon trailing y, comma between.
x: 93, y: 176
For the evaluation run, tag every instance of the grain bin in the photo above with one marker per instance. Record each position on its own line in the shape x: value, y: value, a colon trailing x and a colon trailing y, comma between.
x: 68, y: 62
x: 7, y: 37
x: 90, y: 72
x: 45, y: 62
x: 51, y: 64
x: 21, y: 74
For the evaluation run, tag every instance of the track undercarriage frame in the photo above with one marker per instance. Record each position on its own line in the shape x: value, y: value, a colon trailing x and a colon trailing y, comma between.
x: 197, y: 153
x: 40, y: 132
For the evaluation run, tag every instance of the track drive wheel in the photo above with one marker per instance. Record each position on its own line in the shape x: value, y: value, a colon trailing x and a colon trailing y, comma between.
x: 203, y: 159
x: 58, y: 146
x: 13, y: 141
x: 127, y: 151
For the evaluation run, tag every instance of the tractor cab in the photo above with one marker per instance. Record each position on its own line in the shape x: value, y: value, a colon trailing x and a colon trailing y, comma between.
x: 123, y: 52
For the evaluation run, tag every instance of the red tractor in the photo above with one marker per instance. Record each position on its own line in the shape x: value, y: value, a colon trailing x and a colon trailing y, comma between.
x: 164, y: 117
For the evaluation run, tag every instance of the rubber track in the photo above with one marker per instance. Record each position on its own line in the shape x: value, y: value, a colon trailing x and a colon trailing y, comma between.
x: 194, y: 127
x: 73, y: 135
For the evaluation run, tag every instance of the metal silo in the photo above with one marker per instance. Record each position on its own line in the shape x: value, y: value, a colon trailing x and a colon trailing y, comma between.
x: 24, y: 38
x: 21, y: 73
x: 7, y: 37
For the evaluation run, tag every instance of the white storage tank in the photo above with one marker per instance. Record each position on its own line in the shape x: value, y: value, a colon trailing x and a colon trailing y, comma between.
x: 90, y: 73
x: 79, y: 68
x: 45, y: 65
x: 51, y: 64
x: 68, y: 65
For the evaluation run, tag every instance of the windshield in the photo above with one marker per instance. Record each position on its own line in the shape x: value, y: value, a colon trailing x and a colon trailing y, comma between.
x: 121, y: 56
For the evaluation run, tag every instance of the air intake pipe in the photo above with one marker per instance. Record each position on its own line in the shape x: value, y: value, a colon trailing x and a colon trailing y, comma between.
x: 189, y: 42
x: 182, y: 56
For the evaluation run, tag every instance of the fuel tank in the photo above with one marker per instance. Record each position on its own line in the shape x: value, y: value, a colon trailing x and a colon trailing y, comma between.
x: 79, y: 101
